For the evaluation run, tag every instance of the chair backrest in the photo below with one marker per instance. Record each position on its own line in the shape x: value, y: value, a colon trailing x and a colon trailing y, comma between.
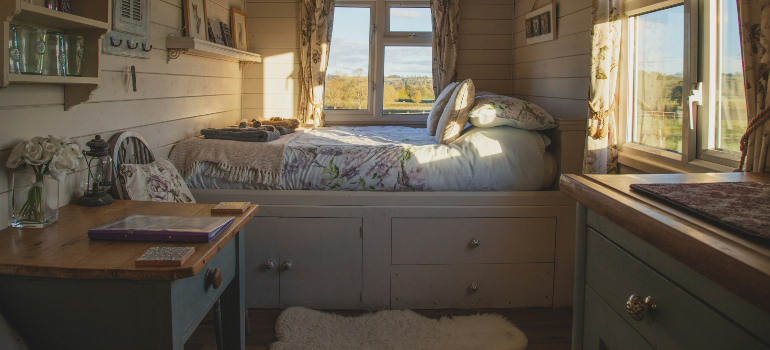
x: 128, y: 147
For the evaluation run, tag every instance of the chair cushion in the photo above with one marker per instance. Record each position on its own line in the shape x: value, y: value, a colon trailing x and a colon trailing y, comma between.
x: 455, y: 114
x: 158, y: 181
x: 438, y: 108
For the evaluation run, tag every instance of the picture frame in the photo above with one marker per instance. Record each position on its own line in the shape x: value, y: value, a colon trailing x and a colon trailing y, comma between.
x: 239, y: 29
x: 536, y: 26
x: 215, y: 32
x: 528, y: 27
x: 226, y: 34
x: 543, y: 23
x: 195, y: 19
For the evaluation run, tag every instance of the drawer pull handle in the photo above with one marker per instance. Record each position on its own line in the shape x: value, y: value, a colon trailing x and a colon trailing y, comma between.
x: 638, y: 307
x: 473, y: 287
x: 214, y: 278
x: 287, y: 265
x: 270, y: 264
x: 475, y: 242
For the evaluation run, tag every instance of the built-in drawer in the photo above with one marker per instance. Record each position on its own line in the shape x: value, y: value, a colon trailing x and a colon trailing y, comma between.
x: 193, y: 297
x: 606, y: 330
x: 452, y: 286
x: 681, y: 321
x: 472, y: 240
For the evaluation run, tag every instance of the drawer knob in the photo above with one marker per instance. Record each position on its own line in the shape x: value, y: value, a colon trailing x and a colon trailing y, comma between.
x: 287, y: 265
x: 475, y: 242
x: 638, y: 307
x: 473, y: 287
x: 214, y: 278
x: 270, y: 264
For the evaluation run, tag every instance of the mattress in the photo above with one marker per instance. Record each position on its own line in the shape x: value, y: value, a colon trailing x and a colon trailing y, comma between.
x: 396, y: 158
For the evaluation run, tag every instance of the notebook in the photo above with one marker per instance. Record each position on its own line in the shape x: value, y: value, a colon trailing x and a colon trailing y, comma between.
x: 165, y: 256
x: 162, y: 228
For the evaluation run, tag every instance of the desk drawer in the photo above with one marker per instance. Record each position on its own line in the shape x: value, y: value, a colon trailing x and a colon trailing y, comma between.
x: 448, y: 240
x: 193, y: 297
x: 681, y: 321
x: 449, y: 286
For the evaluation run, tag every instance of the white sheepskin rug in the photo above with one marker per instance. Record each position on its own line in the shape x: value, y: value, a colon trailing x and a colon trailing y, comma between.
x: 301, y: 328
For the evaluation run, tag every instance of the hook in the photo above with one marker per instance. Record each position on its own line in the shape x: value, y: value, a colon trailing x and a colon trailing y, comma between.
x: 144, y: 48
x: 130, y: 47
x: 112, y: 42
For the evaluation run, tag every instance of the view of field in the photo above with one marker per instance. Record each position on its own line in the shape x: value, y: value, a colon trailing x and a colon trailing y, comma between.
x: 401, y: 95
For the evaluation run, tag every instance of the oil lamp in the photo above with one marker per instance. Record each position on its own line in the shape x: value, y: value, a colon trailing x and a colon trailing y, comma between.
x: 100, y: 174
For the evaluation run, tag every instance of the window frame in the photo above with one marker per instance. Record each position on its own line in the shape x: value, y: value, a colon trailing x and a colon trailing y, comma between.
x: 700, y: 59
x: 379, y: 40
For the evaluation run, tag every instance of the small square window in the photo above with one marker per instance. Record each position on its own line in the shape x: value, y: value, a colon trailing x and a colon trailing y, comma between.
x: 410, y: 19
x: 408, y: 85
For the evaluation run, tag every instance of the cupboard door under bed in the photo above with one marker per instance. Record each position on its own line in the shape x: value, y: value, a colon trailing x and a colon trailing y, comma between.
x: 321, y: 262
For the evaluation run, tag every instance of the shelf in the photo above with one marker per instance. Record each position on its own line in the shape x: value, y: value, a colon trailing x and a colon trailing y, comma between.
x: 177, y: 45
x: 38, y: 14
x: 51, y: 79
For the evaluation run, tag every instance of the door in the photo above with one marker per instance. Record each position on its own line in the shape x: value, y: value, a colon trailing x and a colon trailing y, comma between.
x: 321, y: 262
x: 262, y: 252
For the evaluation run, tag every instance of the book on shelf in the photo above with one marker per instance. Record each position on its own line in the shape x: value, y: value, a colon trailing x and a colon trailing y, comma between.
x: 162, y: 228
x: 165, y: 256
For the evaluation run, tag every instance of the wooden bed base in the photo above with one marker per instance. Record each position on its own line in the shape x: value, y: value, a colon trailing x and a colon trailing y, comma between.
x: 382, y: 250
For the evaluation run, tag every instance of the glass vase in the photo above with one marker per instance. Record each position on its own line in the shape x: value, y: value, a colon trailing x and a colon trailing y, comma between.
x: 35, y: 199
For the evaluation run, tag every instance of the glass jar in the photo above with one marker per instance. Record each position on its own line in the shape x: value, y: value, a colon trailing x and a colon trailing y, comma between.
x: 31, y: 45
x: 52, y: 64
x: 35, y: 199
x: 73, y: 51
x: 13, y: 50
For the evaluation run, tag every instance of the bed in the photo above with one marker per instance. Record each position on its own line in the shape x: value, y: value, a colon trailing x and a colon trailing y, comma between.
x: 433, y: 244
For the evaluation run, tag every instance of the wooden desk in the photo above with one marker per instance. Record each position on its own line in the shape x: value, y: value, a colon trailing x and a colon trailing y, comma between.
x: 704, y: 279
x: 61, y: 290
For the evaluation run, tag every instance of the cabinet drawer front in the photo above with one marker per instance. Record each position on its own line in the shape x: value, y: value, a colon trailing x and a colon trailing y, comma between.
x: 681, y: 321
x: 449, y: 286
x: 605, y: 330
x: 448, y: 240
x: 192, y: 297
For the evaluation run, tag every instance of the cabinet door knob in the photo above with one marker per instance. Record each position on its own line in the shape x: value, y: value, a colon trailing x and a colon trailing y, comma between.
x: 270, y: 264
x: 475, y: 242
x: 214, y: 277
x: 637, y: 307
x: 287, y: 265
x: 473, y: 287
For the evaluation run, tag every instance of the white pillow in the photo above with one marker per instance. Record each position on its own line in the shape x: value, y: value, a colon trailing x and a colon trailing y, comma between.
x: 496, y: 110
x: 438, y: 108
x: 455, y: 114
x: 158, y: 181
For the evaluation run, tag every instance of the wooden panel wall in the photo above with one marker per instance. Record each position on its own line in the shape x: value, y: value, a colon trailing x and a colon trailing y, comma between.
x: 271, y: 89
x: 173, y: 102
x: 554, y: 74
x: 485, y: 45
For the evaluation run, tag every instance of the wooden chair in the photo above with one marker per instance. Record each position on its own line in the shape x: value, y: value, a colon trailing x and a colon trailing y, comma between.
x: 129, y: 147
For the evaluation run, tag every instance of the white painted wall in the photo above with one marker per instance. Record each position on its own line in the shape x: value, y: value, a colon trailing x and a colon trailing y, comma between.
x: 173, y: 102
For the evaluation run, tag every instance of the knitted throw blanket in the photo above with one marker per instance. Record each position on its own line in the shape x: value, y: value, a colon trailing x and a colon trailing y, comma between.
x: 258, y: 163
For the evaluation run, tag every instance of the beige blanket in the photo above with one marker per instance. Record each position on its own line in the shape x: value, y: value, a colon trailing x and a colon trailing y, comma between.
x: 258, y: 163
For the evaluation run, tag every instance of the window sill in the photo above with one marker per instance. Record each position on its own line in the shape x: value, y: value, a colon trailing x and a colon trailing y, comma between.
x: 658, y: 162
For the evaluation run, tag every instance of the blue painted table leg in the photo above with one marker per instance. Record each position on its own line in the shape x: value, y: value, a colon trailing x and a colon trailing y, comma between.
x: 234, y: 303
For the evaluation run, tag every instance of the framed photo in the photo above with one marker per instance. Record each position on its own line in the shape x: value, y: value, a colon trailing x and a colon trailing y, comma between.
x: 528, y: 27
x: 195, y: 19
x: 240, y: 30
x: 215, y: 32
x: 226, y: 34
x: 545, y: 23
x: 535, y: 26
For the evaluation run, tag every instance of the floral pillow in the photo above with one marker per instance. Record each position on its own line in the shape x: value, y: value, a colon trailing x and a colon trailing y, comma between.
x: 158, y: 181
x: 495, y: 110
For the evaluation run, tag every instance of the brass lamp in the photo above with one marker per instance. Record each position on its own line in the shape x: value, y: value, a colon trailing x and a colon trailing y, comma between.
x: 100, y: 174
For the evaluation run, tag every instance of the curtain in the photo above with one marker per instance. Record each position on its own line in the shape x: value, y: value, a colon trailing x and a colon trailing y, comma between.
x: 754, y: 19
x: 446, y: 22
x: 601, y: 154
x: 316, y: 20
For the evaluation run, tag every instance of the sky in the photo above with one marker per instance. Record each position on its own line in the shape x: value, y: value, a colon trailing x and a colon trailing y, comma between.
x: 350, y: 42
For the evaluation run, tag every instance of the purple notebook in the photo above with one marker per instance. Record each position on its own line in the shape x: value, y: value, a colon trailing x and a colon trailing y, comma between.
x: 162, y: 228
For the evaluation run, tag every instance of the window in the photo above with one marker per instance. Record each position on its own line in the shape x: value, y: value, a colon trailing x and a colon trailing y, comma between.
x: 379, y: 76
x: 675, y: 55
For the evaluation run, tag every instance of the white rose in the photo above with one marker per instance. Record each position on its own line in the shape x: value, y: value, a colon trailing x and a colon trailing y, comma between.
x: 16, y: 155
x: 62, y: 163
x: 58, y: 140
x: 34, y: 153
x: 50, y: 148
x: 73, y: 149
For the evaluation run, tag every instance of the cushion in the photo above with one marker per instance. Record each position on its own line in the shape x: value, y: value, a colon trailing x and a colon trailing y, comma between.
x: 158, y: 181
x: 497, y: 110
x: 455, y: 114
x: 438, y: 108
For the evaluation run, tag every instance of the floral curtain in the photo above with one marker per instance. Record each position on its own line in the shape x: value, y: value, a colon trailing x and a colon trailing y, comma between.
x: 754, y: 17
x: 317, y: 18
x: 601, y: 154
x: 446, y: 23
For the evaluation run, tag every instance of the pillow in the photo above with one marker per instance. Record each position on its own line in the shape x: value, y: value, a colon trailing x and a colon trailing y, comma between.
x: 158, y: 181
x: 496, y: 110
x: 455, y: 115
x: 438, y: 108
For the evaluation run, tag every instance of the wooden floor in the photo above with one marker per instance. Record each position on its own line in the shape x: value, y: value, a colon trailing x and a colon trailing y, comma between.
x: 545, y: 328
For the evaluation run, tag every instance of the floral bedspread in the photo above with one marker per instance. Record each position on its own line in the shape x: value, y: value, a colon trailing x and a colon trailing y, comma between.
x: 394, y: 158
